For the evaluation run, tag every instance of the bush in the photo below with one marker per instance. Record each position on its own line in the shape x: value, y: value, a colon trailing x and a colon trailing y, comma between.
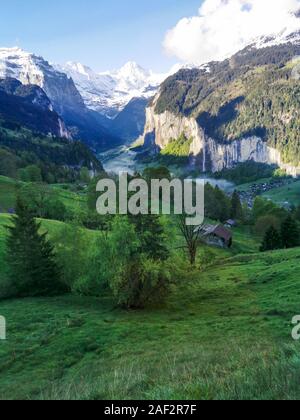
x: 116, y: 261
x: 262, y: 207
x: 72, y: 260
x: 143, y: 281
x: 272, y: 240
x: 97, y: 269
x: 264, y: 223
x: 42, y: 202
x: 8, y: 164
x: 31, y: 173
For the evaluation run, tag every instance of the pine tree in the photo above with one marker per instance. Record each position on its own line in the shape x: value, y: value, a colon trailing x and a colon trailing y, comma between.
x: 236, y: 206
x: 290, y: 233
x: 151, y: 235
x: 222, y: 205
x: 30, y: 257
x: 272, y: 240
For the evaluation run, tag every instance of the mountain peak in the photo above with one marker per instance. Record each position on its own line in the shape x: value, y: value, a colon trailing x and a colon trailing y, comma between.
x: 79, y: 68
x: 13, y: 51
x: 133, y: 71
x: 110, y: 91
x: 131, y: 66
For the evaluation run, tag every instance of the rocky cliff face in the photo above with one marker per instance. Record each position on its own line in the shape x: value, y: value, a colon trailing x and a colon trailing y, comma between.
x: 30, y: 107
x: 245, y: 107
x: 30, y: 69
x: 83, y: 123
x: 206, y: 153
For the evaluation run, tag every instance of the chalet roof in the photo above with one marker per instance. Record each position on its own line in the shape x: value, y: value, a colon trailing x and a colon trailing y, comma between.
x: 230, y: 222
x: 218, y: 230
x: 223, y: 233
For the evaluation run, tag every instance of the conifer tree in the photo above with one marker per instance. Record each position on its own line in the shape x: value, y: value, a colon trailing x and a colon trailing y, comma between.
x: 290, y: 233
x: 30, y: 256
x: 152, y: 236
x: 236, y: 206
x: 271, y: 241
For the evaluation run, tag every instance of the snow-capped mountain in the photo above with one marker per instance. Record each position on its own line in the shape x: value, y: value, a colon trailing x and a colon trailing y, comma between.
x: 109, y: 92
x: 283, y: 37
x: 31, y: 69
x: 30, y: 107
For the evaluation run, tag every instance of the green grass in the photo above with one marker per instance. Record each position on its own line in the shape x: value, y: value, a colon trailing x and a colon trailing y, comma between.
x: 224, y: 333
x: 178, y: 147
x: 288, y: 194
x: 7, y: 193
x: 246, y: 187
x: 8, y: 190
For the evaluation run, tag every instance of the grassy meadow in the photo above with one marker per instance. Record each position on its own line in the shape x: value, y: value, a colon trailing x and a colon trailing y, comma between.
x: 9, y: 187
x: 224, y: 333
x: 288, y: 194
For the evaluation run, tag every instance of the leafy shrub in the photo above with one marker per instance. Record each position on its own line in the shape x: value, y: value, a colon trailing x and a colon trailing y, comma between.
x: 117, y: 261
x: 264, y: 223
x: 142, y: 281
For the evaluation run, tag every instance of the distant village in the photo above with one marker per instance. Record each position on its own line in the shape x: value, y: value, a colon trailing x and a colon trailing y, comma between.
x: 256, y: 190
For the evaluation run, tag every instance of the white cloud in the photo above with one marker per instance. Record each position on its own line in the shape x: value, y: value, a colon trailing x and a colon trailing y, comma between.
x: 223, y: 27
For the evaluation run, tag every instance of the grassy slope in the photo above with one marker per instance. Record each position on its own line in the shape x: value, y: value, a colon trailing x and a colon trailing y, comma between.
x: 282, y: 195
x: 246, y: 187
x: 288, y: 194
x: 8, y: 189
x: 224, y: 333
x: 7, y: 193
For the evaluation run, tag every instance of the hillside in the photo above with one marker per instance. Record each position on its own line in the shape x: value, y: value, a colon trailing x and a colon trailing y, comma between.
x: 224, y: 334
x: 58, y: 159
x: 9, y: 188
x: 242, y: 108
x: 30, y: 69
x: 30, y: 107
x: 286, y: 194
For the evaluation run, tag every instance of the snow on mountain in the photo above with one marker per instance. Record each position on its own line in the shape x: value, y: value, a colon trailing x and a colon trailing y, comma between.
x: 109, y: 92
x: 29, y: 68
x: 283, y: 37
x: 61, y: 90
x: 18, y: 64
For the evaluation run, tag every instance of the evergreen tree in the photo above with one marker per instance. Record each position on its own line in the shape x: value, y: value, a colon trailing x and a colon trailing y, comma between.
x: 290, y: 233
x: 222, y: 205
x: 296, y: 213
x: 236, y: 206
x: 217, y: 204
x: 151, y: 235
x: 271, y: 240
x: 30, y: 257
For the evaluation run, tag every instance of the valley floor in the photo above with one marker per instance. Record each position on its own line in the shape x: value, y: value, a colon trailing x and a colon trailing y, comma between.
x: 224, y: 333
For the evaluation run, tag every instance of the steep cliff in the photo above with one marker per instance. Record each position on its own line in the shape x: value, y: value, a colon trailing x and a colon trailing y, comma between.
x: 206, y: 153
x: 83, y: 123
x: 243, y: 108
x: 28, y: 106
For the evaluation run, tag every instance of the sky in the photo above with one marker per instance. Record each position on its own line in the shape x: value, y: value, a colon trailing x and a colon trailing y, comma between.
x: 221, y: 28
x: 103, y: 34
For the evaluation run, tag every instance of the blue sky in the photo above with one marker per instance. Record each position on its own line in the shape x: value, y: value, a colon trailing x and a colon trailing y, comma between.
x: 103, y: 34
